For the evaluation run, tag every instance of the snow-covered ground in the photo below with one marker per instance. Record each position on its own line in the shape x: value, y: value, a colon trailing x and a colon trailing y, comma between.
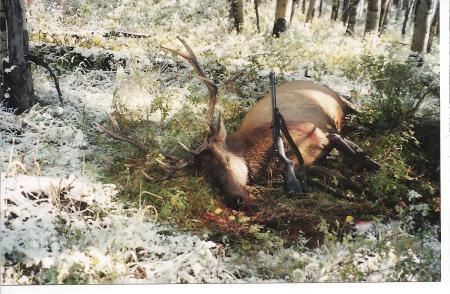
x: 59, y: 223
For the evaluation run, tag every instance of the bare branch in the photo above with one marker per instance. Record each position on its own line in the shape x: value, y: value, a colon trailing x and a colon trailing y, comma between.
x: 410, y: 113
x: 38, y: 61
x: 122, y: 138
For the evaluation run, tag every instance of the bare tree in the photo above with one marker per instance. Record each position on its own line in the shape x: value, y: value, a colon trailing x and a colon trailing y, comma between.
x: 409, y: 9
x: 400, y: 8
x: 352, y: 11
x: 303, y: 6
x: 311, y: 10
x: 422, y: 25
x: 373, y: 16
x: 345, y: 10
x: 361, y: 9
x: 434, y: 28
x: 320, y: 8
x: 282, y: 16
x: 237, y: 12
x: 291, y: 18
x: 3, y: 45
x: 16, y: 70
x: 384, y: 16
x: 256, y: 2
x: 335, y: 9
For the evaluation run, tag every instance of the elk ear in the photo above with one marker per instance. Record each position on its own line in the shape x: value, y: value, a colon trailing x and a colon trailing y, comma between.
x: 221, y: 131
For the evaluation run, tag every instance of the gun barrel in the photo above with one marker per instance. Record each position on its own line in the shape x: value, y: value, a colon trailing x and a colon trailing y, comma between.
x: 275, y: 119
x: 273, y: 90
x: 291, y: 184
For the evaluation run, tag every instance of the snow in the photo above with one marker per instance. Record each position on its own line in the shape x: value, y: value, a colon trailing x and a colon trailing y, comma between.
x: 53, y: 235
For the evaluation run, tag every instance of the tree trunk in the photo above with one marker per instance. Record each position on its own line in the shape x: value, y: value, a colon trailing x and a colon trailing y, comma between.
x: 405, y: 4
x: 399, y: 10
x: 282, y: 16
x: 237, y: 12
x: 345, y: 10
x: 335, y: 9
x: 303, y: 6
x: 433, y: 30
x: 373, y: 15
x: 384, y: 16
x: 257, y: 15
x: 291, y: 18
x: 410, y: 7
x: 361, y: 9
x: 311, y: 10
x: 3, y: 46
x: 352, y: 16
x: 320, y: 8
x: 18, y: 78
x: 422, y: 25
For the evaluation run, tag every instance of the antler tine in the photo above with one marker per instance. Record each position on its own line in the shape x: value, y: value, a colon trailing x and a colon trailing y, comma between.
x: 189, y: 150
x: 212, y: 88
x: 122, y: 138
x: 179, y: 165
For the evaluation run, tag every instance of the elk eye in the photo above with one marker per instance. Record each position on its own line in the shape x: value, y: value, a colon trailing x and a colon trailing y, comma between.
x: 227, y: 158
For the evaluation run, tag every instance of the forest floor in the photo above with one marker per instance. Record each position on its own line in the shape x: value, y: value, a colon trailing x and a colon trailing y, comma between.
x: 79, y: 208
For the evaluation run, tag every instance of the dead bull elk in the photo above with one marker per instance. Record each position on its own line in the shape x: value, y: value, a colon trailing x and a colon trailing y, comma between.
x: 314, y: 116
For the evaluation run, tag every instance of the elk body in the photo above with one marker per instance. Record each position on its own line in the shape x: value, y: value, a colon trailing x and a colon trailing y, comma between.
x: 314, y: 116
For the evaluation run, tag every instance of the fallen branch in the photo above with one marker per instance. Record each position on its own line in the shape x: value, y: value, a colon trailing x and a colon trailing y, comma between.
x: 36, y: 60
x: 68, y: 57
x: 125, y: 34
x: 105, y: 35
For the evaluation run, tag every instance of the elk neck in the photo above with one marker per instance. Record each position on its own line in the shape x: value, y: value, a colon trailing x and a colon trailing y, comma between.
x: 256, y: 149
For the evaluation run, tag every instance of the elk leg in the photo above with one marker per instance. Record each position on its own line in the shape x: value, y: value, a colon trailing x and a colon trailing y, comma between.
x: 323, y: 154
x: 335, y: 174
x: 350, y: 148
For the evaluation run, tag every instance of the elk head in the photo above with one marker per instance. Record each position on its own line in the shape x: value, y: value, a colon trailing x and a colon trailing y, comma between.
x: 214, y: 157
x: 223, y: 167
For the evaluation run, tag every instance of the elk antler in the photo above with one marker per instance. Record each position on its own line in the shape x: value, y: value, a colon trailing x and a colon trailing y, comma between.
x: 122, y: 138
x: 212, y: 88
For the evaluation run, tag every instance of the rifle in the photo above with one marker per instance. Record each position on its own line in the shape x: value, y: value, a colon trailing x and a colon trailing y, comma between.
x: 291, y: 184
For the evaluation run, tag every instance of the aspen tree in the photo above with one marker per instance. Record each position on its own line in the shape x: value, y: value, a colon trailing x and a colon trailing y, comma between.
x: 373, y: 16
x: 422, y: 25
x: 282, y: 16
